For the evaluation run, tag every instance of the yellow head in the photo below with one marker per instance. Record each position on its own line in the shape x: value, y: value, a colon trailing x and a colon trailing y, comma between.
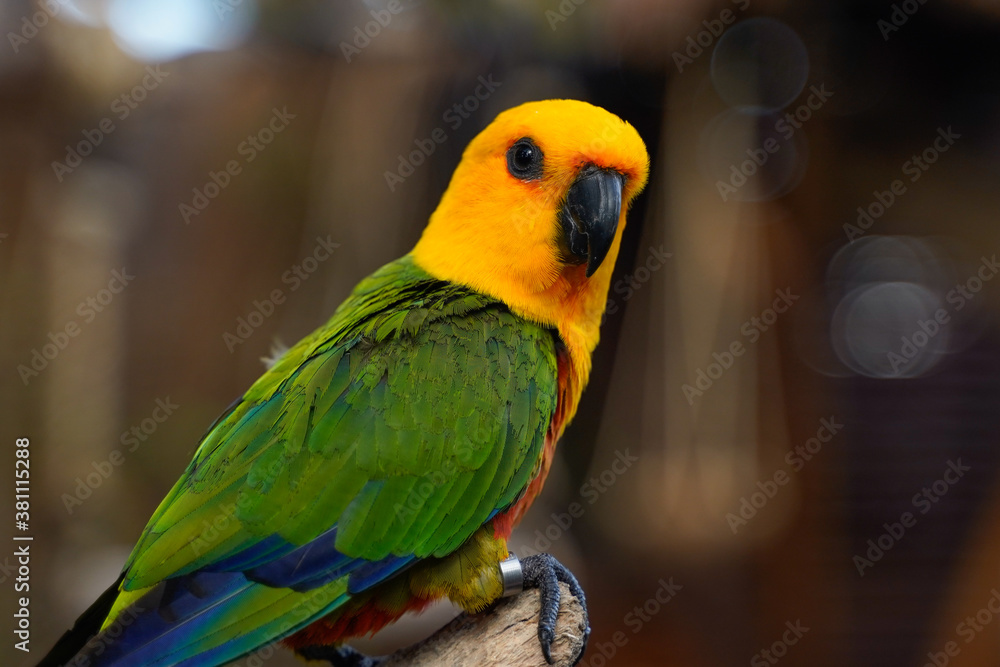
x: 535, y: 211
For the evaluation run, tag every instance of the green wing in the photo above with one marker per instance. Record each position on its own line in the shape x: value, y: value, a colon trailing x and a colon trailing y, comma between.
x: 414, y: 415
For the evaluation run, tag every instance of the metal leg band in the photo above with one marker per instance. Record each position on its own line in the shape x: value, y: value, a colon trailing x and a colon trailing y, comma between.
x: 511, y: 575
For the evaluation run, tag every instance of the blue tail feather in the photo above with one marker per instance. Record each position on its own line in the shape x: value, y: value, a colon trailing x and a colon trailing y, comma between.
x: 173, y: 623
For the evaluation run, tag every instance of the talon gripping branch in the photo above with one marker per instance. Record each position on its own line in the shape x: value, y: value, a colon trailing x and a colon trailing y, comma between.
x: 382, y: 462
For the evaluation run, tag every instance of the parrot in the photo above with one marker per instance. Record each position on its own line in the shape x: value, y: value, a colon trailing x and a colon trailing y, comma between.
x: 381, y: 463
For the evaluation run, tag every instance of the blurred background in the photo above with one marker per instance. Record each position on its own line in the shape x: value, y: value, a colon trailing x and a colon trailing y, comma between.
x: 790, y: 446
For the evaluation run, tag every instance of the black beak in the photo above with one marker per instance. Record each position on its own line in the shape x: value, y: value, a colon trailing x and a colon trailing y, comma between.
x: 589, y: 217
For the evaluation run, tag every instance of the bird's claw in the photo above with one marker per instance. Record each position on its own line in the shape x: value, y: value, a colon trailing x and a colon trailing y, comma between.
x: 541, y: 571
x: 339, y: 656
x: 544, y: 572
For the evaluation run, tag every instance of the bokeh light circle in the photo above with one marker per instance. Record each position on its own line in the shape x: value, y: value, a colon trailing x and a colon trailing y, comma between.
x: 888, y: 330
x: 760, y: 62
x: 155, y: 31
x: 747, y: 155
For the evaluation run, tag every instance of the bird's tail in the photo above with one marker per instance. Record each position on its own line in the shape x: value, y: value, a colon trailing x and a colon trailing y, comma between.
x: 85, y: 628
x: 201, y: 618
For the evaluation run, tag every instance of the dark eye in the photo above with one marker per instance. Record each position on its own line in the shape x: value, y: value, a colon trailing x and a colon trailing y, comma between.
x: 524, y: 160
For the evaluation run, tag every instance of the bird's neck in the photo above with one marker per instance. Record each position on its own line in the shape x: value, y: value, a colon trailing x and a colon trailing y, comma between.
x: 572, y: 304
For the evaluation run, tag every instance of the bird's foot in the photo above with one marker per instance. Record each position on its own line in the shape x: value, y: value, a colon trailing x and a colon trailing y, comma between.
x: 544, y: 572
x: 339, y: 656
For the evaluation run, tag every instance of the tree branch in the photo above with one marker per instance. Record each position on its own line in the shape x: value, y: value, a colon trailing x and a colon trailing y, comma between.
x: 504, y: 636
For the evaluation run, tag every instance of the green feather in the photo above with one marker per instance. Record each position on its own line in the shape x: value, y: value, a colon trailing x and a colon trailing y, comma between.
x: 416, y: 412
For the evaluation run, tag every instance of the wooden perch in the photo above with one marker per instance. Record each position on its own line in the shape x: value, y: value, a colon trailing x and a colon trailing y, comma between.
x: 504, y: 636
